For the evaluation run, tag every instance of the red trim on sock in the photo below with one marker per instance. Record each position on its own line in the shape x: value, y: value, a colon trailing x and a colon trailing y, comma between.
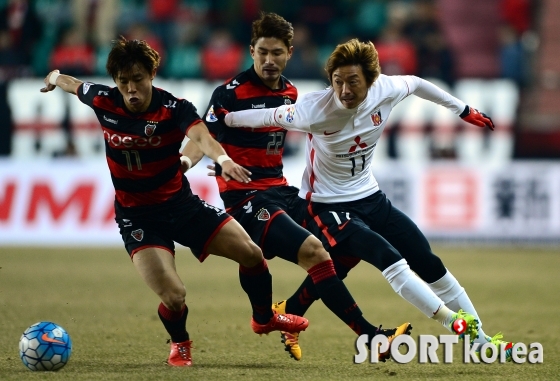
x: 170, y: 315
x: 322, y: 271
x: 255, y: 270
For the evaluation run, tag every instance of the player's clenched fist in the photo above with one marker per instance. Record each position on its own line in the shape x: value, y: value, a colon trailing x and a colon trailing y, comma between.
x: 50, y: 81
x: 480, y: 119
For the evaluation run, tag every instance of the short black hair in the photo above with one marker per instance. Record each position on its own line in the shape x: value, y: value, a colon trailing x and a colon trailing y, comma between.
x: 272, y: 25
x: 126, y: 53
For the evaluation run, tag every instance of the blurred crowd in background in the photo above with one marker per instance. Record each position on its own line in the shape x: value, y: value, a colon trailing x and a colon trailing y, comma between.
x: 209, y: 39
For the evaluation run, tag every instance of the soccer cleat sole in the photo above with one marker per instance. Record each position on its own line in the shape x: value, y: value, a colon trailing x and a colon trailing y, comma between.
x: 288, y: 348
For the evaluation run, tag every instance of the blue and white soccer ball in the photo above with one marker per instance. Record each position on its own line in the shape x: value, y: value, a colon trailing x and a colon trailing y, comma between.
x: 45, y: 346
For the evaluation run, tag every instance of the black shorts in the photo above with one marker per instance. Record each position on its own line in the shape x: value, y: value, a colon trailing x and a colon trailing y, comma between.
x: 186, y: 219
x: 333, y: 223
x: 266, y: 217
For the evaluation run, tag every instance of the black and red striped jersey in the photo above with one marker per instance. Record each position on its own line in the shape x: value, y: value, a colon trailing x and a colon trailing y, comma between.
x: 259, y: 150
x: 142, y: 149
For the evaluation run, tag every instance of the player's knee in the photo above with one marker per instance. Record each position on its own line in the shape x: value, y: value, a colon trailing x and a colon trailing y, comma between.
x: 174, y: 298
x: 429, y: 267
x: 252, y: 254
x: 312, y: 253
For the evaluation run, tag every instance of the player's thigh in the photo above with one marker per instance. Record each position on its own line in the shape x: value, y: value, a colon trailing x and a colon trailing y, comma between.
x: 203, y: 228
x: 368, y: 246
x: 401, y: 232
x: 333, y: 224
x: 343, y: 233
x: 232, y: 242
x: 156, y: 266
x: 272, y: 230
x: 284, y: 238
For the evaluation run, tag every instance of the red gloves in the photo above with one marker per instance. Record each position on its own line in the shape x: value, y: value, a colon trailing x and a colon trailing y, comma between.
x: 480, y: 119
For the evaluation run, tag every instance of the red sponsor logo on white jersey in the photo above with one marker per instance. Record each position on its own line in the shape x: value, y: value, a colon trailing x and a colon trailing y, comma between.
x: 359, y: 143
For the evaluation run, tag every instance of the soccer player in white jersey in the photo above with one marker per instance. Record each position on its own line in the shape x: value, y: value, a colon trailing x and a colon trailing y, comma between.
x: 346, y: 208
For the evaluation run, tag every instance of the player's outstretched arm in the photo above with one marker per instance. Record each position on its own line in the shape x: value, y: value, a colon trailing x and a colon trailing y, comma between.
x: 200, y: 135
x: 433, y: 93
x: 65, y: 82
x: 288, y: 117
x: 257, y: 118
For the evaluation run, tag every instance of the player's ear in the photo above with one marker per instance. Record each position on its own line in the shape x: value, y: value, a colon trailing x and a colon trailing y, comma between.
x: 154, y: 71
x: 290, y: 52
x: 252, y: 51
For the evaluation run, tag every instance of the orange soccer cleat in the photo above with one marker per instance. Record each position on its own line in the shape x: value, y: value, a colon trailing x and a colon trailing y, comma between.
x: 281, y: 322
x: 180, y: 354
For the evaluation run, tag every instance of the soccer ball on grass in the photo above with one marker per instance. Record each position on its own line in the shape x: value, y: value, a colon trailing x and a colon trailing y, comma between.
x: 45, y: 346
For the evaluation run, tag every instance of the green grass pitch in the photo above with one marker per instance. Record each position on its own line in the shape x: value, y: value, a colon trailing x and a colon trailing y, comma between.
x: 96, y: 295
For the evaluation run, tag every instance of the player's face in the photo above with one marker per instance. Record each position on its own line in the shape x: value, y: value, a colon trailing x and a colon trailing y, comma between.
x: 136, y: 88
x: 270, y: 57
x: 349, y: 84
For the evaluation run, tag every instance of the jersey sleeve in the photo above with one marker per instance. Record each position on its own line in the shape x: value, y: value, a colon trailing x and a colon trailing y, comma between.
x: 427, y: 90
x: 87, y: 92
x: 186, y: 115
x: 398, y: 86
x: 286, y: 117
x: 293, y: 117
x: 220, y: 104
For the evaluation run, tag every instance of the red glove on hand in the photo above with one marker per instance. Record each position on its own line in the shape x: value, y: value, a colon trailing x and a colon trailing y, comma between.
x: 480, y: 119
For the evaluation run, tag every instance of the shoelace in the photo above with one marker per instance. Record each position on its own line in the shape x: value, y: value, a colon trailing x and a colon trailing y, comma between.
x: 279, y: 318
x: 183, y: 351
x: 497, y: 336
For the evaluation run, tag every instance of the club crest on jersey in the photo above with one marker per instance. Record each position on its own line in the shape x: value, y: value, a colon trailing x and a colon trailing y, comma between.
x: 150, y: 128
x: 376, y: 118
x: 289, y: 116
x: 137, y: 234
x: 263, y: 215
x: 211, y: 116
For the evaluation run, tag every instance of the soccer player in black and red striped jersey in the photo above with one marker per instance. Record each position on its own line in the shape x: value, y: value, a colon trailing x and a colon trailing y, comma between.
x: 265, y: 207
x: 144, y: 128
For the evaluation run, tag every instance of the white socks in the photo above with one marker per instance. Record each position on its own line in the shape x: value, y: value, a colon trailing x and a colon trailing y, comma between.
x: 455, y: 298
x: 416, y: 291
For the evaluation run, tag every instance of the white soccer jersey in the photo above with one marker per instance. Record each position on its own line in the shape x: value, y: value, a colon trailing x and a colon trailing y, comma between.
x: 341, y: 142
